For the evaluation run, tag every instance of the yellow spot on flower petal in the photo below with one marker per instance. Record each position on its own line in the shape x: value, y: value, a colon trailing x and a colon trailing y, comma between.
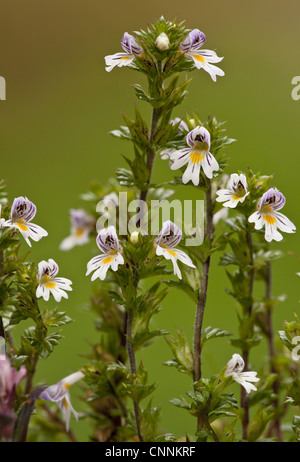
x: 125, y: 57
x: 235, y: 197
x: 196, y: 157
x: 172, y: 252
x: 107, y: 260
x: 79, y: 232
x: 47, y: 282
x: 21, y: 225
x: 199, y: 58
x: 65, y: 403
x: 66, y: 386
x: 269, y: 219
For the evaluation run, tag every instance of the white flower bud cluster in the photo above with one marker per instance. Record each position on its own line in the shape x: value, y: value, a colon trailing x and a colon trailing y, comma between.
x: 162, y: 42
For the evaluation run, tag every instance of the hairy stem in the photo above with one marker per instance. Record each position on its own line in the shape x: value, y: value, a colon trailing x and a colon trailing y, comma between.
x: 211, y: 430
x: 128, y: 321
x: 30, y: 373
x: 132, y: 363
x: 208, y: 426
x: 272, y: 353
x: 35, y: 357
x: 197, y: 370
x: 156, y: 112
x: 150, y: 152
x: 245, y: 353
x: 199, y: 320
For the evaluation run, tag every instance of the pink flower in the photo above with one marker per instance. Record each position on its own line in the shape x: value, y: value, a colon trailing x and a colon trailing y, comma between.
x: 9, y: 380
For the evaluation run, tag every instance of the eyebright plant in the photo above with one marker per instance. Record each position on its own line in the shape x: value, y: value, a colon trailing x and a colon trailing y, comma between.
x: 242, y: 219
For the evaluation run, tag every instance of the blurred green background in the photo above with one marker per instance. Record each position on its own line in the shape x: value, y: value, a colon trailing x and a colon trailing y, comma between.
x: 54, y: 139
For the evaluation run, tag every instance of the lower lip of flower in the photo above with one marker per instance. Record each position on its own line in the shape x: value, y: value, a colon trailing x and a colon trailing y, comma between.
x: 47, y: 282
x: 107, y: 260
x: 79, y: 232
x: 196, y: 157
x: 21, y: 224
x: 199, y: 58
x: 172, y: 252
x: 269, y: 219
x: 238, y: 195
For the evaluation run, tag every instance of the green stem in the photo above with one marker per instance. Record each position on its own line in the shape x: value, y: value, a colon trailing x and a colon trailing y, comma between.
x: 128, y: 321
x: 117, y: 399
x: 30, y: 373
x: 35, y: 356
x: 245, y: 353
x: 272, y: 352
x: 132, y: 362
x: 156, y: 112
x: 207, y: 423
x: 150, y: 152
x: 197, y: 369
x: 211, y: 430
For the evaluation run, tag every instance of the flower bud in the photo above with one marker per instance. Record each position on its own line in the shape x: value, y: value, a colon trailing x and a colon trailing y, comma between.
x: 162, y: 42
x: 192, y: 122
x: 134, y: 237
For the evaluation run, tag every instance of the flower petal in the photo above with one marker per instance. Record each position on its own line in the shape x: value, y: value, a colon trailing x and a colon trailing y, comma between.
x: 22, y: 208
x: 271, y: 233
x: 36, y: 232
x: 283, y: 223
x: 180, y: 158
x: 211, y: 56
x: 169, y: 236
x: 184, y: 258
x: 119, y: 60
x: 209, y: 165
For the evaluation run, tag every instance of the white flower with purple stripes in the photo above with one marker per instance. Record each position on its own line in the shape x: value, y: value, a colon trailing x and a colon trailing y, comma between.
x: 48, y: 283
x: 182, y: 127
x: 108, y: 242
x: 59, y: 393
x: 267, y: 215
x: 81, y: 226
x: 22, y: 212
x: 131, y: 48
x: 236, y: 191
x: 165, y: 243
x: 203, y: 59
x: 197, y: 155
x: 234, y: 369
